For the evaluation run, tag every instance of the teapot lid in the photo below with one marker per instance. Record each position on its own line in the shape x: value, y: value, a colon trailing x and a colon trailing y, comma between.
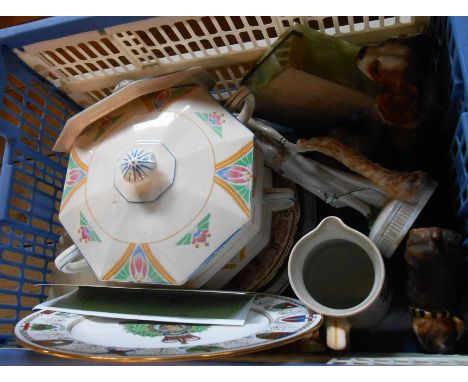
x: 157, y: 189
x: 124, y: 94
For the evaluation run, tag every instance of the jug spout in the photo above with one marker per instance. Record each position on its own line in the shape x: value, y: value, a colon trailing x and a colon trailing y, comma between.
x: 333, y: 228
x: 333, y: 225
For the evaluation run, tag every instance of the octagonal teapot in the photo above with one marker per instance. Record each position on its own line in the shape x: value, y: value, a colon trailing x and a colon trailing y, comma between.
x: 163, y: 185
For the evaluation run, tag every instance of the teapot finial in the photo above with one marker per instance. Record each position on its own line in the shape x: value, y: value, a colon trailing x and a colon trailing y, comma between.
x: 139, y: 176
x: 137, y: 165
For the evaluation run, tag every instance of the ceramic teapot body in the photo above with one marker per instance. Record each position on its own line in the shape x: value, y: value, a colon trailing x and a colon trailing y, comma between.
x: 164, y: 189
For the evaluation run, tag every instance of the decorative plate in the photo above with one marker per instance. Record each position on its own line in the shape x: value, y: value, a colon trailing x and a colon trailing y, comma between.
x: 272, y: 321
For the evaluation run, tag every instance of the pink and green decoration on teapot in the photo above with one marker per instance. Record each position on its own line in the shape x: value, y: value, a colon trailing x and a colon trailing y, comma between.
x: 87, y: 233
x: 105, y: 124
x: 139, y: 265
x: 75, y: 178
x: 162, y: 99
x: 213, y: 120
x: 235, y: 175
x: 199, y: 235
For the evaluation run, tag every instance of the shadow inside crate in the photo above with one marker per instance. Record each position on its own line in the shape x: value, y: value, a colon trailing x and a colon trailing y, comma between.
x: 394, y: 333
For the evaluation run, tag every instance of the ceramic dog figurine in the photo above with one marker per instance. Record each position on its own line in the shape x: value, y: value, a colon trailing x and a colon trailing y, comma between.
x: 400, y: 65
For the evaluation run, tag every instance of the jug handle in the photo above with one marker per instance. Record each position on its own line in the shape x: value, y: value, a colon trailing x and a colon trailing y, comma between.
x: 337, y: 333
x: 71, y: 261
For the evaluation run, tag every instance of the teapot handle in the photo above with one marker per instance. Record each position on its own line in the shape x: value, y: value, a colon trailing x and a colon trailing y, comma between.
x: 71, y: 261
x: 244, y: 96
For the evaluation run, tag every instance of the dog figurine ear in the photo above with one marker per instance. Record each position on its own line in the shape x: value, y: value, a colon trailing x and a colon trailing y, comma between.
x: 400, y: 108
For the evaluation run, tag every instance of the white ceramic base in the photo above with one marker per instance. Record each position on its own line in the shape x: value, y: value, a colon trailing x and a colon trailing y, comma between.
x: 395, y: 220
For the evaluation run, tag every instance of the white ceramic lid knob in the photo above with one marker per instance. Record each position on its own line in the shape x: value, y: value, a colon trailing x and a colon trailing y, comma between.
x: 137, y: 165
x: 139, y: 177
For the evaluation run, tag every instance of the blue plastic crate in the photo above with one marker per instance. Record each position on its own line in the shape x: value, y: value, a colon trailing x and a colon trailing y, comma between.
x: 459, y: 152
x: 32, y: 113
x: 457, y: 38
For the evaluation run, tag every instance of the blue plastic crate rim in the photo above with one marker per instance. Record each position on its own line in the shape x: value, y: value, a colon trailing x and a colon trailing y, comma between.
x: 56, y: 27
x: 459, y: 151
x: 32, y: 115
x: 459, y: 55
x: 457, y: 42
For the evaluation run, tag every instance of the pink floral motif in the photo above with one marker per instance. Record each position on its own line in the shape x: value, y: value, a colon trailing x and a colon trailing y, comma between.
x: 85, y: 234
x: 215, y: 118
x: 200, y: 237
x: 236, y: 174
x: 161, y: 98
x: 74, y: 176
x: 139, y: 266
x: 105, y: 123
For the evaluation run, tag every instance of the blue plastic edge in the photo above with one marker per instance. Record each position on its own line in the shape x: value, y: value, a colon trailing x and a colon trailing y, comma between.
x: 460, y: 160
x: 59, y: 26
x: 9, y: 60
x: 460, y: 36
x: 459, y: 30
x: 24, y: 246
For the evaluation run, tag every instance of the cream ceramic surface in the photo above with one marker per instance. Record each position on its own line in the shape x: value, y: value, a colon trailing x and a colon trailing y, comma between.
x: 272, y: 321
x: 274, y: 199
x: 192, y: 206
x: 251, y: 249
x: 367, y: 313
x: 233, y: 247
x: 122, y: 94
